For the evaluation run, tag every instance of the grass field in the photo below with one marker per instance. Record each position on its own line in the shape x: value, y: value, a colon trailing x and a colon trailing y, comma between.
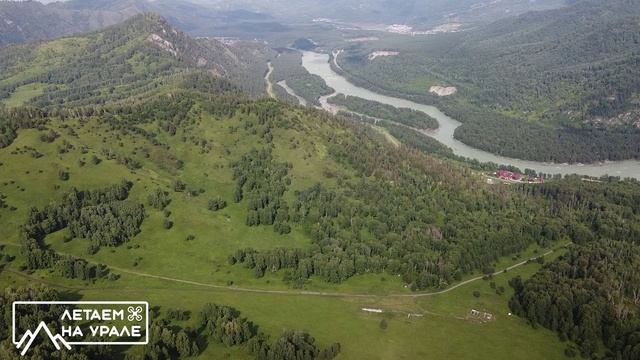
x: 442, y: 332
x: 24, y: 93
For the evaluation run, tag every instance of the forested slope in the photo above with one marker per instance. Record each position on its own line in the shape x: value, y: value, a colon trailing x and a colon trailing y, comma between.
x: 135, y: 57
x: 24, y: 21
x: 591, y: 295
x: 171, y: 172
x: 29, y: 21
x: 558, y: 85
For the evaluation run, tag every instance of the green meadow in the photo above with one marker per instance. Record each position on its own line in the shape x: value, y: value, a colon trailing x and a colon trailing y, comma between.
x: 439, y: 328
x: 24, y: 93
x: 196, y: 248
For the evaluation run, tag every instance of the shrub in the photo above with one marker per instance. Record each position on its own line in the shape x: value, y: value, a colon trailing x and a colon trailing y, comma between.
x: 158, y: 199
x: 63, y: 175
x: 217, y: 204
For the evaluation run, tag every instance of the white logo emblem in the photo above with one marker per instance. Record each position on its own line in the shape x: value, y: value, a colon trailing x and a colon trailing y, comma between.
x: 30, y: 336
x: 92, y: 323
x: 135, y: 314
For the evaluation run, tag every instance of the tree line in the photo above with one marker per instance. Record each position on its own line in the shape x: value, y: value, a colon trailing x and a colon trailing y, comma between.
x: 103, y: 216
x: 591, y: 294
x: 225, y: 325
x: 426, y: 221
x: 262, y: 182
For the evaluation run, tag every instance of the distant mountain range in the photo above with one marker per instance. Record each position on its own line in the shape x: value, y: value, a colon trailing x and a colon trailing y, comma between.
x: 31, y: 20
x: 414, y: 12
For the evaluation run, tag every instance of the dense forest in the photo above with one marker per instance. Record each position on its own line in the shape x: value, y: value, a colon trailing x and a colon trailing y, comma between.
x: 102, y: 216
x: 225, y: 325
x: 591, y: 294
x: 411, y: 137
x: 288, y: 67
x: 432, y: 240
x: 263, y: 182
x: 530, y: 86
x: 527, y: 140
x: 412, y: 118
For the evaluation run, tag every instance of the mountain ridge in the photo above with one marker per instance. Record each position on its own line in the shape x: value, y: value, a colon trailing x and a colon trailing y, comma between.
x: 138, y: 55
x: 33, y: 21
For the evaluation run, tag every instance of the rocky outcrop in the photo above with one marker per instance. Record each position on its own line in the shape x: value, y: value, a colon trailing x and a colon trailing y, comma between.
x: 443, y: 91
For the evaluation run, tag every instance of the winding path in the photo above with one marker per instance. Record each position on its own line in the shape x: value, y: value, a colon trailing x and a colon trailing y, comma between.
x: 267, y: 78
x: 319, y: 293
x: 276, y: 292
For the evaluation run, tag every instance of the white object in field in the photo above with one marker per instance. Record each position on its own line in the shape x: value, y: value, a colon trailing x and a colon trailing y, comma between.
x: 378, y: 311
x: 443, y: 91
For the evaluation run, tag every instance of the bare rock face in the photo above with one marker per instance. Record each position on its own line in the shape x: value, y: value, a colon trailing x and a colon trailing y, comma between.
x: 443, y: 91
x: 628, y: 118
x: 162, y: 43
x: 202, y: 62
x: 376, y: 54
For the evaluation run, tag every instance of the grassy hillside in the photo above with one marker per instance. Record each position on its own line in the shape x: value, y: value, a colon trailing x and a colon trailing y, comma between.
x: 183, y: 191
x: 200, y: 241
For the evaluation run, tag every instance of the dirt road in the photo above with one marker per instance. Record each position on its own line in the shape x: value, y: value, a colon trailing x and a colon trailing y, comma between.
x: 285, y: 292
x: 267, y: 78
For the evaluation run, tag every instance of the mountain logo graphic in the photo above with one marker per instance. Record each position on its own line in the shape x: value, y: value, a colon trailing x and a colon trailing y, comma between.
x: 29, y: 336
x: 90, y: 323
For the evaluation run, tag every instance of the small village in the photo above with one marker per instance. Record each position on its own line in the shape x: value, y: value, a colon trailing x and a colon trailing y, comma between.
x: 515, y: 177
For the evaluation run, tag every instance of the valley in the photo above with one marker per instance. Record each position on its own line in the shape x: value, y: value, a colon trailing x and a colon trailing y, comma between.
x: 549, y: 86
x: 303, y: 181
x: 318, y: 64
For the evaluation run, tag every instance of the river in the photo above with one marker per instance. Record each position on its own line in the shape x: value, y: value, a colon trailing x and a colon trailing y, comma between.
x: 318, y: 64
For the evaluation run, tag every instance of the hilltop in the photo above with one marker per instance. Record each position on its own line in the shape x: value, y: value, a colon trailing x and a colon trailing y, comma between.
x: 143, y: 53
